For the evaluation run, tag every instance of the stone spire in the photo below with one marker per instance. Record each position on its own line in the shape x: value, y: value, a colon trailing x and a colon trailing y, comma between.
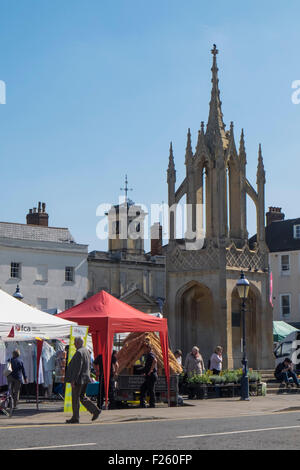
x: 231, y: 151
x: 242, y: 149
x: 201, y: 147
x: 215, y: 126
x: 171, y: 178
x: 260, y: 181
x: 171, y: 168
x: 188, y: 150
x: 261, y: 174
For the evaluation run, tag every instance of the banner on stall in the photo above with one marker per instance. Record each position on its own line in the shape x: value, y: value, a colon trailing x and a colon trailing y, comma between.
x: 75, y: 332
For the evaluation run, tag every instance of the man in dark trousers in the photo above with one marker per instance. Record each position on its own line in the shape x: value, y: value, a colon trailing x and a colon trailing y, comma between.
x: 78, y: 374
x: 150, y: 372
x: 98, y: 363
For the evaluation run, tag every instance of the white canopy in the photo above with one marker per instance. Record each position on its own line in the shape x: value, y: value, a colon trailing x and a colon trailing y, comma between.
x: 28, y: 322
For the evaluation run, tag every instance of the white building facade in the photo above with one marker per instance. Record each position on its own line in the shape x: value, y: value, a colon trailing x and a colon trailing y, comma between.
x: 285, y: 268
x: 50, y: 269
x: 283, y: 240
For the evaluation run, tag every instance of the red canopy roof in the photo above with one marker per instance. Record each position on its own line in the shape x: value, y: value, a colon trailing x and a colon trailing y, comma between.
x: 102, y: 307
x: 106, y: 315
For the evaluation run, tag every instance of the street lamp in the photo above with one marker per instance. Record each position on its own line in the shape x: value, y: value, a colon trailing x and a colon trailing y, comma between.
x: 17, y: 294
x: 243, y: 290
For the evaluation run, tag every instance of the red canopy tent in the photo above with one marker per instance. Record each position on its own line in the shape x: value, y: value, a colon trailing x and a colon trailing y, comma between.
x: 105, y: 315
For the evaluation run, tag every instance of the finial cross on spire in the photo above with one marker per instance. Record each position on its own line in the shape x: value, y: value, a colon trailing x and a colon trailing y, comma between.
x: 214, y: 51
x: 126, y: 189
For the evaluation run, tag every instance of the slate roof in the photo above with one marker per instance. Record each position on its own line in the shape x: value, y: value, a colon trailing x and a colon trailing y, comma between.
x: 280, y: 236
x: 35, y: 232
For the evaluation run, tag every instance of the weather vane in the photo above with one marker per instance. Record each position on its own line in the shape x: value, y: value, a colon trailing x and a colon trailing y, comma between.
x: 126, y: 189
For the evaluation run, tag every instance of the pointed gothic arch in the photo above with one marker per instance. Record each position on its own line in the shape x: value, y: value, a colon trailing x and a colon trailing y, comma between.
x: 195, y: 310
x: 234, y: 191
x: 203, y: 190
x: 253, y: 326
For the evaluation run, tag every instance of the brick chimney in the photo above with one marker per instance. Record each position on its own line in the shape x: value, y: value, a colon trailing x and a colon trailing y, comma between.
x: 274, y: 214
x: 156, y: 239
x: 38, y: 216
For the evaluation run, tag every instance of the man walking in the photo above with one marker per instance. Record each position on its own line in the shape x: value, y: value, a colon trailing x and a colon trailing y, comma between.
x: 78, y: 375
x: 150, y: 372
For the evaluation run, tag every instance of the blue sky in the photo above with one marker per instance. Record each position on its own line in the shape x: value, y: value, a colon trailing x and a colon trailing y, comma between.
x: 97, y: 89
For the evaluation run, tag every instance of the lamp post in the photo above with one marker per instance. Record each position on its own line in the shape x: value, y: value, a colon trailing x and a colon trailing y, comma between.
x: 243, y: 290
x: 17, y: 294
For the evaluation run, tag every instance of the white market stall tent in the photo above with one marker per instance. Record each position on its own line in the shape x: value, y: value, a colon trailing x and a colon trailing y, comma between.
x: 20, y: 322
x: 29, y: 322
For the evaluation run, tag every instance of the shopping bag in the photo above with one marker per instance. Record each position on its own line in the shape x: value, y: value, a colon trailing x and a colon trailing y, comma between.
x: 7, y: 370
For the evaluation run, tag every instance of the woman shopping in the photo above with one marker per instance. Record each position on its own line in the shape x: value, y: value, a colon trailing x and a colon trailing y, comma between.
x: 216, y: 361
x: 15, y: 379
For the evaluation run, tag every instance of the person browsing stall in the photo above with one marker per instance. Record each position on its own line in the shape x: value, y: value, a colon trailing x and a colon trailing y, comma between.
x: 150, y: 372
x: 15, y: 379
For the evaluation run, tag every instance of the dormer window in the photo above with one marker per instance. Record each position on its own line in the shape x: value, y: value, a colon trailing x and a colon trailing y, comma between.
x: 296, y: 231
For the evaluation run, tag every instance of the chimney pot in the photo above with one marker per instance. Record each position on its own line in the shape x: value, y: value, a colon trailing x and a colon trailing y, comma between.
x: 274, y: 214
x: 156, y: 239
x: 38, y: 217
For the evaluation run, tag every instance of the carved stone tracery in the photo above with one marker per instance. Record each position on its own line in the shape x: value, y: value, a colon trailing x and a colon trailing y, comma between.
x: 194, y: 260
x: 245, y: 258
x: 209, y: 258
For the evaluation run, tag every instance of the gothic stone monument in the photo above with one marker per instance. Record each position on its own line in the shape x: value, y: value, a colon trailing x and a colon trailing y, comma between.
x: 202, y: 304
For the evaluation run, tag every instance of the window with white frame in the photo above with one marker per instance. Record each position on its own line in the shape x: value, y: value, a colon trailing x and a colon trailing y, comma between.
x: 15, y: 270
x: 285, y: 305
x: 296, y: 231
x: 285, y: 264
x: 69, y: 303
x: 69, y: 274
x: 42, y: 272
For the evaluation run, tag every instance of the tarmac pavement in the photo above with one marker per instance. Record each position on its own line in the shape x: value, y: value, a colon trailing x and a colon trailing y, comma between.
x: 51, y: 413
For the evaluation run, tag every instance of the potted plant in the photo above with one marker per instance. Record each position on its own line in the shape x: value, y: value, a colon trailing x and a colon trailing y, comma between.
x: 231, y: 377
x: 254, y: 381
x: 217, y: 379
x: 254, y: 376
x: 197, y: 385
